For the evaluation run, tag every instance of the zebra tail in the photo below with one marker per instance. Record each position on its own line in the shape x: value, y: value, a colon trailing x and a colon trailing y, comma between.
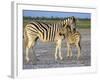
x: 25, y: 38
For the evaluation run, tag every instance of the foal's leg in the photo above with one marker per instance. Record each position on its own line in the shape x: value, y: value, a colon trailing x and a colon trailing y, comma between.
x: 56, y: 51
x: 59, y: 47
x: 69, y: 51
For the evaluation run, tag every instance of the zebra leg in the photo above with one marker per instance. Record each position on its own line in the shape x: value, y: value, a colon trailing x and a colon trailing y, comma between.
x: 79, y: 50
x: 56, y: 52
x: 33, y: 57
x: 28, y: 51
x: 26, y: 56
x: 26, y: 47
x: 59, y: 45
x: 30, y: 43
x: 69, y: 52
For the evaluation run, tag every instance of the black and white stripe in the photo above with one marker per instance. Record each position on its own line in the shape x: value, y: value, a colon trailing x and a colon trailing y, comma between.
x: 46, y: 33
x: 43, y: 30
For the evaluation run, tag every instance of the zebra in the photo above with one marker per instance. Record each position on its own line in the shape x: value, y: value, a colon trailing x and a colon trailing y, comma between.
x: 73, y: 37
x: 46, y: 33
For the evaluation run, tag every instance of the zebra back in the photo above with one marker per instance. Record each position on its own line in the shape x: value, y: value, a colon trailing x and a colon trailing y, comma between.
x: 47, y: 32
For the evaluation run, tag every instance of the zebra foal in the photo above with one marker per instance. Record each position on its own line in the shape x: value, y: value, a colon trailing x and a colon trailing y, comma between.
x: 73, y: 37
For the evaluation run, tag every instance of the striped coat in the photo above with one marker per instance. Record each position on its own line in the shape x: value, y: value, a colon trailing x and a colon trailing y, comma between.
x: 73, y: 37
x: 46, y: 33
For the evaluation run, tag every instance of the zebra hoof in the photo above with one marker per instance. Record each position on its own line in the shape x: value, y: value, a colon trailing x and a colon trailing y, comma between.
x: 56, y: 58
x: 68, y: 56
x: 61, y: 58
x: 27, y: 59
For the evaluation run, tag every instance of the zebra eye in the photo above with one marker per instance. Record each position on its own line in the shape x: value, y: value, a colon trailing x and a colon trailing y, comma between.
x: 60, y: 34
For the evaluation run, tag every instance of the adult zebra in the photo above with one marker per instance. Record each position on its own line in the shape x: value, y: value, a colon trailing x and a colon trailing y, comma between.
x: 46, y: 33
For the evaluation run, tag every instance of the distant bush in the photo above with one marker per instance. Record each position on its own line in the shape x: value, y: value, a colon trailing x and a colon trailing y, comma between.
x: 43, y: 18
x: 81, y: 23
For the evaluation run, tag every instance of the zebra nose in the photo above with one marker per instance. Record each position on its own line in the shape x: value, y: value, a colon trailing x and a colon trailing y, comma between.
x: 61, y: 34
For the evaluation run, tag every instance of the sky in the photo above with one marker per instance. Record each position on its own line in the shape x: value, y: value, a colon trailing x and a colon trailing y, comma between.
x: 35, y: 13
